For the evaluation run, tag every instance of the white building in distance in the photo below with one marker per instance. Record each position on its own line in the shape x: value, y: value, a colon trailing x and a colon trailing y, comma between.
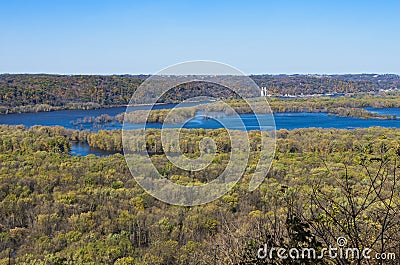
x: 264, y: 92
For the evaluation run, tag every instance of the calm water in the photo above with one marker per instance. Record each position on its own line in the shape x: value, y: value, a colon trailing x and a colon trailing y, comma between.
x: 297, y: 120
x: 386, y: 111
x: 84, y: 149
x: 66, y: 118
x: 282, y: 120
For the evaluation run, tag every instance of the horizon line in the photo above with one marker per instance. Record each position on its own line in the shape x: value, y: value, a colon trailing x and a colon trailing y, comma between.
x: 251, y: 74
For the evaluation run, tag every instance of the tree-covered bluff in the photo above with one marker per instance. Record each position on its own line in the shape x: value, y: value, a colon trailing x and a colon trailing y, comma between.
x: 43, y: 92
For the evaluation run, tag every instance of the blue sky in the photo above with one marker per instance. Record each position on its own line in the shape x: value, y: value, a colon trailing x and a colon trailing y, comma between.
x: 107, y: 37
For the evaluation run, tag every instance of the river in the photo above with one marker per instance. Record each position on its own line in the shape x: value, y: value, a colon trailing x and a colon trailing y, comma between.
x: 288, y: 121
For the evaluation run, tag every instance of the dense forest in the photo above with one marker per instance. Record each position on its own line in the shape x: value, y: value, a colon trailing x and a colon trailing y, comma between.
x: 62, y: 209
x: 41, y: 92
x: 326, y: 84
x: 47, y: 92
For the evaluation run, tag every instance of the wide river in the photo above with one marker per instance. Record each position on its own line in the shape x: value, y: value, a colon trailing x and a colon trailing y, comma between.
x: 68, y: 118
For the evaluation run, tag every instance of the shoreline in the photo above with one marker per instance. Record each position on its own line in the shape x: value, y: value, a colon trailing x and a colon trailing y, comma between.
x: 60, y: 108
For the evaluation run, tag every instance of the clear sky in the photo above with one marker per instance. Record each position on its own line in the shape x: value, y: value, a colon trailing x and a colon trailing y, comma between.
x: 107, y: 37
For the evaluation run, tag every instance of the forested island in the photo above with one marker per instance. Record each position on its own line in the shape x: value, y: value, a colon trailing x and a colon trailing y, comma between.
x: 345, y: 106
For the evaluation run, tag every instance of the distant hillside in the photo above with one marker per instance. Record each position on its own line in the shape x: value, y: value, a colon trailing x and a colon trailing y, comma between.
x: 326, y: 84
x: 73, y: 91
